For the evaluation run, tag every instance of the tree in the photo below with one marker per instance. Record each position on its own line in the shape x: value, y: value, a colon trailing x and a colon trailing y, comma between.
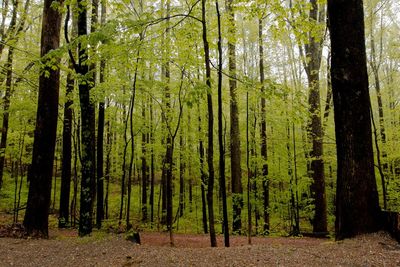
x: 357, y: 204
x: 221, y: 143
x: 236, y: 172
x: 263, y: 128
x: 210, y: 149
x: 312, y: 66
x: 36, y: 216
x: 88, y: 129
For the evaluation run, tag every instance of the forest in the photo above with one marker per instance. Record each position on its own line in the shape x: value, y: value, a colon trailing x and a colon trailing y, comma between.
x: 226, y: 118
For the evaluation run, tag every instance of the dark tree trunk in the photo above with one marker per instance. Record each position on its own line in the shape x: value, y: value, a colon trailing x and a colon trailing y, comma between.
x: 100, y: 140
x: 100, y: 155
x: 152, y: 176
x: 36, y: 216
x: 210, y: 150
x: 108, y: 169
x: 144, y: 167
x: 236, y: 171
x: 181, y: 174
x: 357, y: 204
x: 63, y: 220
x: 222, y: 185
x: 263, y: 131
x: 87, y: 131
x: 203, y: 179
x: 315, y: 133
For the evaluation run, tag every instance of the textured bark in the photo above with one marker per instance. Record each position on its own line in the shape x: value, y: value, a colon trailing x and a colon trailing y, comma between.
x: 87, y: 132
x: 36, y: 216
x: 210, y: 149
x: 63, y: 220
x: 314, y: 128
x: 357, y: 204
x: 236, y: 171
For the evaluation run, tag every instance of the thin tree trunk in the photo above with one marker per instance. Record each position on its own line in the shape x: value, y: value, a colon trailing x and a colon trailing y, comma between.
x: 203, y: 178
x: 63, y: 220
x: 100, y: 139
x: 315, y: 132
x: 222, y: 149
x: 210, y: 150
x: 144, y: 166
x: 263, y: 130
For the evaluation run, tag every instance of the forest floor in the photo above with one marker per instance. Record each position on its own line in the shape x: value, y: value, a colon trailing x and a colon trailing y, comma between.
x: 64, y: 248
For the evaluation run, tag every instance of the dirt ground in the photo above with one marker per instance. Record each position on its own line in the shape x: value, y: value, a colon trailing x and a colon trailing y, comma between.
x: 65, y: 249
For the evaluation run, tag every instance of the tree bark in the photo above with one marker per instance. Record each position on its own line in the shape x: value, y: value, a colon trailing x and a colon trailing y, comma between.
x: 63, y: 220
x: 210, y: 149
x: 357, y: 204
x: 314, y: 128
x: 87, y: 131
x: 222, y: 149
x: 100, y: 140
x: 236, y: 171
x: 263, y: 131
x: 36, y: 216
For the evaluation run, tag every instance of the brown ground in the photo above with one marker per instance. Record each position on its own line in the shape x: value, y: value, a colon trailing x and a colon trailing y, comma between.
x: 65, y: 249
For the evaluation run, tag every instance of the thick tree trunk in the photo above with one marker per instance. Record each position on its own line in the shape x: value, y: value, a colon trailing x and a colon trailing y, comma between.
x: 36, y: 216
x: 357, y: 204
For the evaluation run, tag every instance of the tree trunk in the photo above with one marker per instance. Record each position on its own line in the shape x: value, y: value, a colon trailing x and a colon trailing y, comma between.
x: 152, y: 177
x: 63, y: 220
x: 144, y: 167
x: 87, y: 131
x: 357, y: 204
x: 203, y: 178
x: 181, y: 174
x: 7, y: 95
x: 222, y: 149
x: 210, y: 150
x: 263, y: 130
x: 100, y: 140
x: 236, y: 171
x: 315, y: 133
x: 36, y: 216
